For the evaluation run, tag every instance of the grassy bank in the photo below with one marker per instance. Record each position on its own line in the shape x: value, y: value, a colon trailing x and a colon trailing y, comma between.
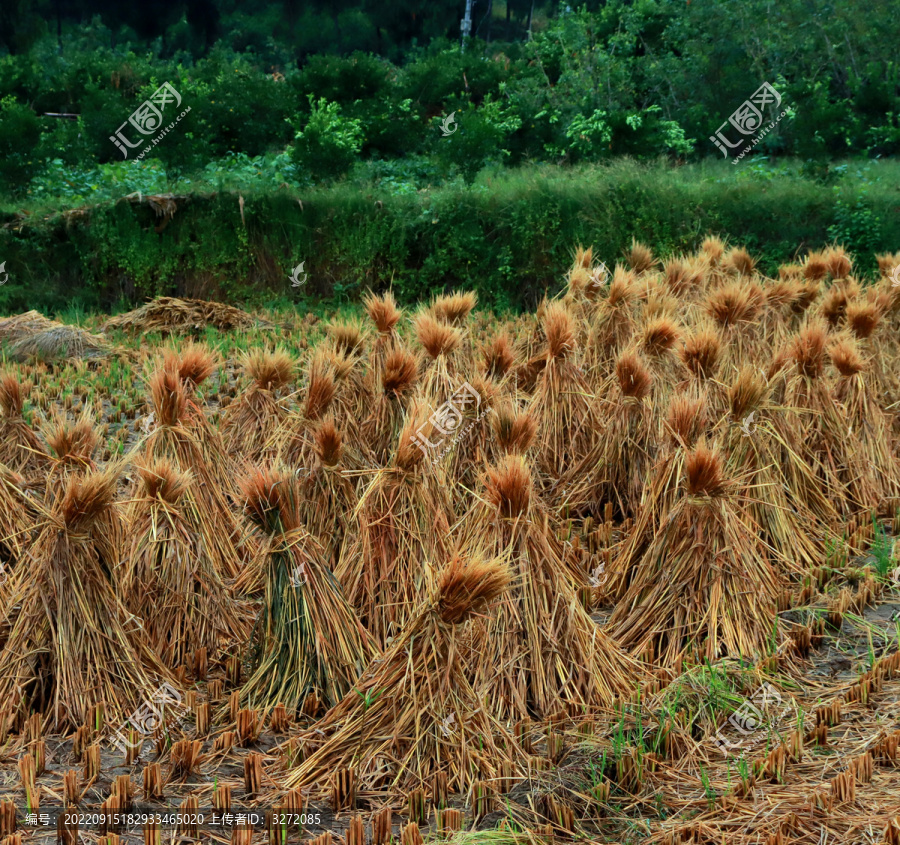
x: 509, y: 235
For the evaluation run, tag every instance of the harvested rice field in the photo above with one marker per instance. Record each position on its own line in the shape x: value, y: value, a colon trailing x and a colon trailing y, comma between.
x: 622, y: 570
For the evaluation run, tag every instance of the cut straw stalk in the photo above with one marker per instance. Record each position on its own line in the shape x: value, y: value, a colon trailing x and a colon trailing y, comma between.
x: 705, y: 581
x: 307, y: 635
x: 168, y: 569
x: 73, y: 644
x: 540, y: 650
x: 413, y: 714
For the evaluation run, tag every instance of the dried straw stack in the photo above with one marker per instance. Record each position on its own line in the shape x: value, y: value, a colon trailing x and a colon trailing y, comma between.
x: 565, y: 410
x: 705, y: 582
x: 308, y: 639
x: 203, y: 504
x: 613, y: 325
x: 327, y: 491
x: 169, y: 579
x: 21, y: 449
x: 413, y: 714
x: 249, y: 423
x: 814, y: 425
x: 292, y: 442
x: 193, y: 365
x: 540, y: 651
x: 439, y: 377
x: 396, y: 376
x: 167, y: 314
x: 401, y: 529
x: 687, y: 421
x: 872, y: 474
x: 618, y: 466
x: 385, y: 315
x: 759, y: 454
x: 73, y: 644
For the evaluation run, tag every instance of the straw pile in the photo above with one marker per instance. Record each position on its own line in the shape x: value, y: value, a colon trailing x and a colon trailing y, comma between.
x: 169, y: 315
x: 72, y: 643
x: 307, y: 637
x: 413, y: 714
x: 705, y: 581
x: 167, y: 568
x: 540, y: 651
x: 399, y: 534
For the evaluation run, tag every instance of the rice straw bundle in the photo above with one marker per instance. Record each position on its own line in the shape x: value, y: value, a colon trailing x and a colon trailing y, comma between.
x: 413, y: 714
x: 438, y: 378
x: 513, y: 431
x: 307, y: 637
x: 454, y: 309
x: 72, y: 446
x: 401, y: 528
x: 872, y: 475
x: 705, y: 580
x: 701, y: 355
x: 382, y: 426
x: 462, y: 451
x: 541, y: 650
x: 167, y: 570
x: 564, y: 408
x: 656, y: 341
x: 618, y: 466
x: 813, y: 425
x: 249, y: 423
x: 327, y: 492
x: 734, y: 307
x: 193, y: 365
x: 73, y: 644
x: 204, y: 503
x: 385, y: 315
x: 613, y: 325
x: 353, y: 397
x: 498, y: 357
x: 757, y: 451
x: 641, y: 258
x: 20, y: 519
x: 686, y: 422
x: 20, y: 448
x: 292, y: 440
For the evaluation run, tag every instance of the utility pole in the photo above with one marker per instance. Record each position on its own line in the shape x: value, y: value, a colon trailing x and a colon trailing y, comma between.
x: 466, y: 25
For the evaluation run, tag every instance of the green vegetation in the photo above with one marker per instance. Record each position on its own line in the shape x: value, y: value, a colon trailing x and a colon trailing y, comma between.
x: 342, y: 106
x: 509, y: 236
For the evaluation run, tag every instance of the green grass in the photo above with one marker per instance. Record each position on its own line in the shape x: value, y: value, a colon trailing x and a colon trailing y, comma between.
x: 509, y: 236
